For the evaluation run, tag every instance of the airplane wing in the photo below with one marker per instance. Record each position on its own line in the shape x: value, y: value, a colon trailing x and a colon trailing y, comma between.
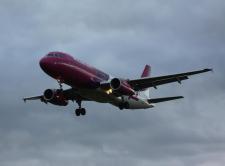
x: 139, y: 84
x: 158, y: 100
x: 69, y: 94
x: 33, y: 98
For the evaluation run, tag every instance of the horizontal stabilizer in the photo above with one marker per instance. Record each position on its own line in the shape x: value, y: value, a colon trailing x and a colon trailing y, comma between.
x: 158, y: 100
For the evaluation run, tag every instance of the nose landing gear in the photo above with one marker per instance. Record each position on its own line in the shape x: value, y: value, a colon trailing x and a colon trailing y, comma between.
x: 80, y: 110
x: 60, y: 84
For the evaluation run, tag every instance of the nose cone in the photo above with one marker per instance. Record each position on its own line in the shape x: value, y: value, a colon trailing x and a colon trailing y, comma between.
x: 44, y: 64
x: 48, y: 65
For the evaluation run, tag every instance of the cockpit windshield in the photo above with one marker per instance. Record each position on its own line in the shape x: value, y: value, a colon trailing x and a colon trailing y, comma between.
x: 58, y: 55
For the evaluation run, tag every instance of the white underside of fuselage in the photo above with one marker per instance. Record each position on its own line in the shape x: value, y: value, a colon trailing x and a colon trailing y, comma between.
x: 101, y: 96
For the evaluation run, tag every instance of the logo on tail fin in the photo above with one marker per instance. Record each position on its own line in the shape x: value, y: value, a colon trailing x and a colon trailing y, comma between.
x: 146, y: 72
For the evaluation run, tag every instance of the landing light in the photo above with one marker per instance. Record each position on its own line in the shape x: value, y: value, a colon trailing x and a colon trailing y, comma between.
x: 109, y: 91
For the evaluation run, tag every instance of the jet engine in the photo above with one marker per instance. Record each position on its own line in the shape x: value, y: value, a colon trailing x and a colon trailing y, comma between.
x: 55, y: 96
x: 121, y: 87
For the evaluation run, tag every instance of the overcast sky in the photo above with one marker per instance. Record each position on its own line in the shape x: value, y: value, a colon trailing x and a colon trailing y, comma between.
x: 119, y: 37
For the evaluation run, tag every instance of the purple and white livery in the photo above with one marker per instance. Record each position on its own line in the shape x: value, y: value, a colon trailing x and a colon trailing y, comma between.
x: 90, y: 84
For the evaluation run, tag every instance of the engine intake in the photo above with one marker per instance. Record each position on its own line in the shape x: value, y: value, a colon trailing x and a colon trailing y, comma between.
x: 55, y: 96
x: 115, y: 83
x: 49, y: 94
x: 121, y: 87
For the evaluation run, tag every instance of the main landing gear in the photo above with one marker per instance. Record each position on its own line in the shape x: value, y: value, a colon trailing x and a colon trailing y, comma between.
x: 80, y: 110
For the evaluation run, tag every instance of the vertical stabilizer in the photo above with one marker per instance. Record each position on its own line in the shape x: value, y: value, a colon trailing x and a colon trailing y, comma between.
x: 146, y: 73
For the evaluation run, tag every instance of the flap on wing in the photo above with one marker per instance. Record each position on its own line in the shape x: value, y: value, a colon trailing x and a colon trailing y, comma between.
x: 158, y: 100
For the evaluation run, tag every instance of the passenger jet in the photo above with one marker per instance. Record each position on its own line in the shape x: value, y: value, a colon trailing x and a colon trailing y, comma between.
x: 90, y: 84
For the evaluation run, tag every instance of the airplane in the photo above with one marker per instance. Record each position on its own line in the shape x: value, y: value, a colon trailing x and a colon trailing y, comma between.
x: 90, y: 84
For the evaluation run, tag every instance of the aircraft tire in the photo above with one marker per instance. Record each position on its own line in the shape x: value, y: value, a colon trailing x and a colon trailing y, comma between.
x: 83, y: 111
x: 121, y: 107
x: 124, y: 106
x: 77, y: 112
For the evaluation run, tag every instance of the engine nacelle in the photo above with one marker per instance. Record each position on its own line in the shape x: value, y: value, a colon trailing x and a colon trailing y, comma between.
x: 55, y: 96
x: 121, y: 87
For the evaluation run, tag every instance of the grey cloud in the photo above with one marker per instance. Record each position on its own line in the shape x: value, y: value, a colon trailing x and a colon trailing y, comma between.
x: 119, y: 37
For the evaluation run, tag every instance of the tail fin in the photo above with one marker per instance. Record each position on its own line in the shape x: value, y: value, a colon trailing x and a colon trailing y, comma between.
x: 146, y: 73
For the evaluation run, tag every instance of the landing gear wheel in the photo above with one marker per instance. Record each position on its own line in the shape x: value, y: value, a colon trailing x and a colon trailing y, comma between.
x: 124, y: 106
x: 82, y: 111
x: 77, y: 112
x: 121, y: 107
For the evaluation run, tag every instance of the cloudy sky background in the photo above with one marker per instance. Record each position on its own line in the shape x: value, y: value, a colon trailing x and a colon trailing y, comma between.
x: 119, y: 37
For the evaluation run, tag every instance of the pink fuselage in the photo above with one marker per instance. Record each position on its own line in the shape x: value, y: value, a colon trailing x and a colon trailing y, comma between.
x: 66, y: 69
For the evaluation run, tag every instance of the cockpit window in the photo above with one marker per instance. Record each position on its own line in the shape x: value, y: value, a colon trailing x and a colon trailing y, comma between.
x: 55, y: 55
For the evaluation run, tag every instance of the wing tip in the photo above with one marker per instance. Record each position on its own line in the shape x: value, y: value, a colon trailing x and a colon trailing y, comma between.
x: 208, y: 69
